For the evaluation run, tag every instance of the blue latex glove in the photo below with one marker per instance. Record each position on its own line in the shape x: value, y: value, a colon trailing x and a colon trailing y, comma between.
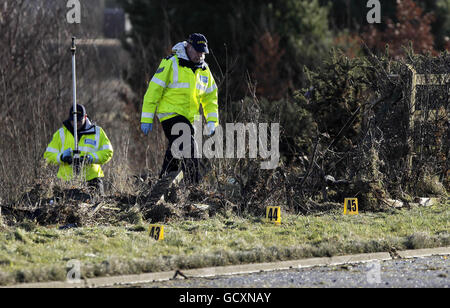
x: 146, y: 127
x: 66, y: 156
x: 211, y: 128
x: 88, y: 159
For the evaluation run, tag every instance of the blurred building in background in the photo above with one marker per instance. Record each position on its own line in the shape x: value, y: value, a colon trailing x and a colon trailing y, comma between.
x: 113, y: 22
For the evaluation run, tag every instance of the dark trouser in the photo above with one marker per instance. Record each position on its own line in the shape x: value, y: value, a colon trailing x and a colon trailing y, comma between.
x: 97, y: 184
x: 190, y: 166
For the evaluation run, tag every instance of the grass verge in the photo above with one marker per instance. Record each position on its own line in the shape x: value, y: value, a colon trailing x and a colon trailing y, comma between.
x: 31, y: 253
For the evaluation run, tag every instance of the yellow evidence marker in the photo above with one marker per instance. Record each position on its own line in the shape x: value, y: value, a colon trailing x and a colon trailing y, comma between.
x: 156, y: 232
x: 273, y: 214
x: 351, y: 206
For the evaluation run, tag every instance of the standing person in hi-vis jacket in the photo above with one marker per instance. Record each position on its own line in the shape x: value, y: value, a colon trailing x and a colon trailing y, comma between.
x: 181, y: 83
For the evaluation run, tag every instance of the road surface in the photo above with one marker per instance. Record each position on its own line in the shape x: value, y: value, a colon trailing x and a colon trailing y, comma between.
x: 426, y: 272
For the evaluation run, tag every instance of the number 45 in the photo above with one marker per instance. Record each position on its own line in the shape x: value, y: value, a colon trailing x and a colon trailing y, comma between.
x: 351, y: 206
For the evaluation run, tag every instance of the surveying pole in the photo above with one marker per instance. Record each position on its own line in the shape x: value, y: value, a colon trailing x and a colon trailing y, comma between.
x: 76, y: 152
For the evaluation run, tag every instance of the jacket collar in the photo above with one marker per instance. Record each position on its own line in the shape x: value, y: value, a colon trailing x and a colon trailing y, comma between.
x: 192, y: 65
x: 180, y: 50
x: 87, y: 129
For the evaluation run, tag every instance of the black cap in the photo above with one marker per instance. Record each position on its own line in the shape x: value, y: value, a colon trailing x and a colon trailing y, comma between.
x: 81, y: 112
x: 199, y: 42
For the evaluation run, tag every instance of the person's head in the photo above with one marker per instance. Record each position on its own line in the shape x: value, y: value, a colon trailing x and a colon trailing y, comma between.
x: 197, y: 47
x: 81, y: 116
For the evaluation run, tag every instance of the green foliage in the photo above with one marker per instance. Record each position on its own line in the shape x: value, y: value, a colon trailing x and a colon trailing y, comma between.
x: 304, y: 30
x: 365, y: 131
x: 336, y: 96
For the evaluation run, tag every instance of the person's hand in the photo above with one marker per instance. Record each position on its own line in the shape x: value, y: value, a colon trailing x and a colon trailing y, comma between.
x: 88, y: 159
x: 146, y: 127
x: 211, y: 128
x: 66, y: 156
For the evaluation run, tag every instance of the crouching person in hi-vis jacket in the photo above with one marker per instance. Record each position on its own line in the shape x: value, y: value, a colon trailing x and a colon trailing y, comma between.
x: 182, y: 82
x: 93, y: 144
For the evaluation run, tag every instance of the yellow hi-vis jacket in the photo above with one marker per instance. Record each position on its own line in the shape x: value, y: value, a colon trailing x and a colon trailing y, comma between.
x: 93, y: 141
x: 176, y: 90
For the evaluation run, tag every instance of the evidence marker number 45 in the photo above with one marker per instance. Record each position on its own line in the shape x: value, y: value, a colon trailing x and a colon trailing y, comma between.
x: 351, y: 206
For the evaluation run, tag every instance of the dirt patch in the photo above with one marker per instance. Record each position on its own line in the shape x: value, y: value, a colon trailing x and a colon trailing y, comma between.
x: 76, y: 207
x: 48, y: 205
x: 58, y: 206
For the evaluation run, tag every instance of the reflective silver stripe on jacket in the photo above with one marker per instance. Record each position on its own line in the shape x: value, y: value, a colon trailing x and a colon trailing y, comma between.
x: 211, y: 89
x: 179, y: 86
x: 63, y: 138
x: 96, y: 159
x: 55, y: 151
x: 175, y: 84
x: 200, y: 87
x: 97, y: 137
x: 163, y: 115
x: 159, y: 82
x: 147, y: 115
x: 87, y: 149
x: 52, y: 150
x: 93, y: 150
x: 175, y: 69
x: 106, y: 147
x: 212, y: 115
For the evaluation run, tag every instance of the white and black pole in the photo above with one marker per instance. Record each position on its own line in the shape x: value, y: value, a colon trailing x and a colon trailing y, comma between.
x: 76, y: 152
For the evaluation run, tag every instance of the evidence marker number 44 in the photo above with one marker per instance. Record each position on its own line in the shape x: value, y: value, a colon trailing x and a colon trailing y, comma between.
x: 156, y: 232
x: 273, y: 214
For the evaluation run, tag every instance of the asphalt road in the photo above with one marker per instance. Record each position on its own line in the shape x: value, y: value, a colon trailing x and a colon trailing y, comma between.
x: 427, y: 272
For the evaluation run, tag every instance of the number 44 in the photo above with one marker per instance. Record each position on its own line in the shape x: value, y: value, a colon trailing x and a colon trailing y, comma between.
x: 273, y: 214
